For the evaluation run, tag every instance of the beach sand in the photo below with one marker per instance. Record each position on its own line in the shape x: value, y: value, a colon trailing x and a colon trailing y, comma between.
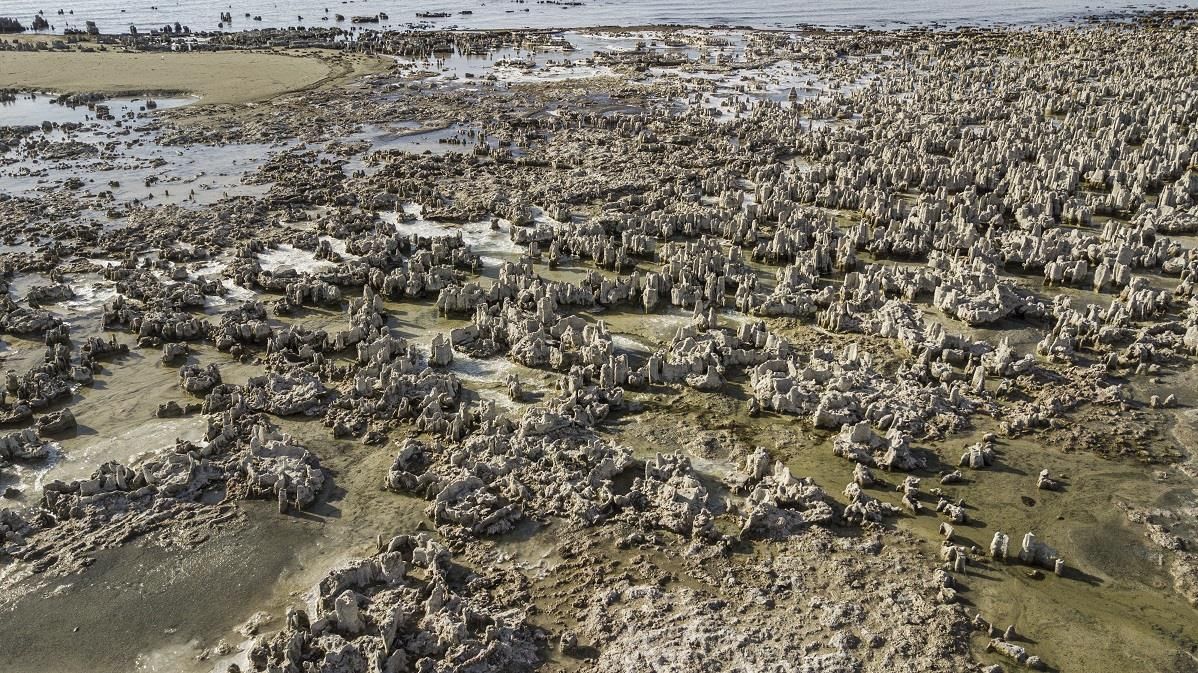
x: 217, y: 77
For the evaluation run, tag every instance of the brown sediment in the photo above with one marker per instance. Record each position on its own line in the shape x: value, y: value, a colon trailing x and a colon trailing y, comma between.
x: 216, y: 77
x: 1114, y: 608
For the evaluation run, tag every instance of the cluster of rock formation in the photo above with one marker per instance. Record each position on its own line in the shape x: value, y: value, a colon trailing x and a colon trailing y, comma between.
x: 928, y: 198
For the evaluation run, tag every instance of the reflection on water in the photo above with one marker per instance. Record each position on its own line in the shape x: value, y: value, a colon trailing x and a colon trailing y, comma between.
x: 79, y: 147
x: 36, y: 109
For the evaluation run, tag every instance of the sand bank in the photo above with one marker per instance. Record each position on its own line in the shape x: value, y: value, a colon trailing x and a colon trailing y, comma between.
x: 217, y: 77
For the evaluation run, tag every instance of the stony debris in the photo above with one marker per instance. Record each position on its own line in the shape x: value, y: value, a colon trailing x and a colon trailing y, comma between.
x: 405, y: 608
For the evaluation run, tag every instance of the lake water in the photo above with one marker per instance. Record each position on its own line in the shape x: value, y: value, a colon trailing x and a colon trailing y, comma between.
x: 37, y: 108
x: 114, y: 17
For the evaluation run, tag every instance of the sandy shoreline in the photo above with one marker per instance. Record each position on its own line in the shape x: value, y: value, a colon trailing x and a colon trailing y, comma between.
x: 216, y: 77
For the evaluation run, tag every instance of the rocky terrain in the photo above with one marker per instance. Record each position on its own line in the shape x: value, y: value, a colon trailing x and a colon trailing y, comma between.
x: 654, y: 350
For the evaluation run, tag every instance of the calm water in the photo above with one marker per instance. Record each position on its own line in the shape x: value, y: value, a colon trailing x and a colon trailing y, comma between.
x: 37, y: 108
x: 115, y: 16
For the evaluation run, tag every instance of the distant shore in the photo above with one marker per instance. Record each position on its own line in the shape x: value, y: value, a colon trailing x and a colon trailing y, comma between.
x: 258, y: 72
x: 230, y: 77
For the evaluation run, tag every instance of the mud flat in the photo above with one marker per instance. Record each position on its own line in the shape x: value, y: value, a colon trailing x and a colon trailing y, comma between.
x: 650, y: 349
x: 217, y: 77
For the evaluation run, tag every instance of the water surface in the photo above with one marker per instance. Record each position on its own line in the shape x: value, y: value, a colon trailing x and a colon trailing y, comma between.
x: 112, y: 17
